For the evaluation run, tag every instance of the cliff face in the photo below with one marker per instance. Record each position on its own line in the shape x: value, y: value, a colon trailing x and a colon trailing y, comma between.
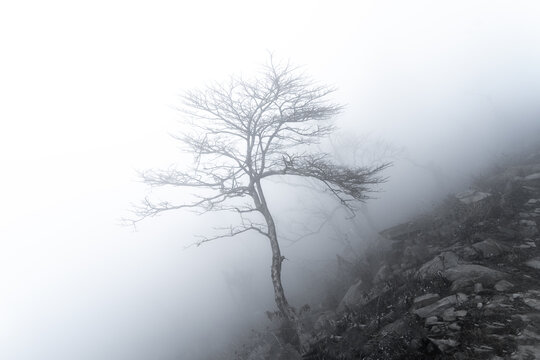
x: 462, y: 282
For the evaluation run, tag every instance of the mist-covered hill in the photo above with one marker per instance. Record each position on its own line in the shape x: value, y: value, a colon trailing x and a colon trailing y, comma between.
x: 458, y: 282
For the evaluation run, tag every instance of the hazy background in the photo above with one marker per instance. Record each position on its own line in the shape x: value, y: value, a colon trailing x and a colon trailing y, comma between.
x: 87, y: 96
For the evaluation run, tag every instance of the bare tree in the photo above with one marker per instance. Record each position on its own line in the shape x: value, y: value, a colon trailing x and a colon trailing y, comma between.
x: 245, y: 131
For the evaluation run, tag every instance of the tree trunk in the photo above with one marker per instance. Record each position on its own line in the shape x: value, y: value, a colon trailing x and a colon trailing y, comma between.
x: 292, y: 326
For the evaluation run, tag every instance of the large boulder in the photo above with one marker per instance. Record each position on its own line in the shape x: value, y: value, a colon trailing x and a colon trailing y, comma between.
x: 490, y: 248
x: 438, y: 265
x: 359, y: 294
x: 471, y: 274
x: 472, y: 196
x: 437, y: 308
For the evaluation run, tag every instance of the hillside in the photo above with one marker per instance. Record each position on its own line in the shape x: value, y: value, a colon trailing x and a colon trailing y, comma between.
x: 462, y: 282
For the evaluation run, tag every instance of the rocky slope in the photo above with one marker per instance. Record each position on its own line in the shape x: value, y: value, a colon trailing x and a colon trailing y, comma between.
x: 460, y: 283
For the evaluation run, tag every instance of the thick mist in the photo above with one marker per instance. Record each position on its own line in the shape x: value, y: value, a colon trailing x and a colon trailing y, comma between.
x: 89, y: 96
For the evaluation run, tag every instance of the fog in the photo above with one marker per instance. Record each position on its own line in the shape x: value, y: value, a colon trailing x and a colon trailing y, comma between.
x: 89, y: 95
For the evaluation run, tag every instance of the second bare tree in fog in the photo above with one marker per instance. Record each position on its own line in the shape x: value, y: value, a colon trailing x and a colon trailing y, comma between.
x: 242, y: 132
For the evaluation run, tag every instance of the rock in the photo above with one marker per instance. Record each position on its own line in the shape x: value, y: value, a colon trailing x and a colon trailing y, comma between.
x: 352, y: 296
x: 533, y: 202
x: 472, y: 196
x: 527, y: 222
x: 532, y: 302
x: 464, y: 285
x: 532, y: 177
x: 359, y: 295
x: 415, y: 344
x: 444, y: 345
x: 415, y: 254
x: 461, y: 313
x: 530, y: 243
x: 469, y: 253
x: 454, y: 326
x: 483, y: 349
x: 508, y: 233
x: 436, y: 329
x: 449, y: 315
x: 382, y: 275
x: 432, y: 320
x: 398, y: 327
x: 437, y: 265
x: 478, y: 287
x: 527, y: 352
x: 474, y: 273
x: 402, y: 231
x: 529, y: 231
x: 425, y: 300
x: 489, y: 248
x: 534, y: 263
x: 503, y: 285
x: 527, y: 318
x: 498, y: 302
x: 441, y: 305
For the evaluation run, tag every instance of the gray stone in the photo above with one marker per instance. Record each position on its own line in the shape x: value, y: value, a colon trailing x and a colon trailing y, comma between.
x: 472, y: 196
x: 474, y: 273
x: 402, y: 231
x: 478, y: 287
x: 359, y: 294
x: 534, y: 263
x: 438, y: 264
x: 449, y: 315
x: 444, y: 345
x: 527, y: 222
x: 441, y: 305
x: 527, y: 352
x: 436, y: 329
x: 469, y: 253
x: 425, y: 300
x: 352, y: 296
x: 528, y: 318
x: 432, y: 320
x: 398, y: 327
x: 532, y: 177
x: 532, y: 302
x: 503, y: 285
x: 489, y: 248
x: 461, y: 313
x: 528, y: 231
x: 462, y: 285
x: 454, y: 326
x: 382, y: 275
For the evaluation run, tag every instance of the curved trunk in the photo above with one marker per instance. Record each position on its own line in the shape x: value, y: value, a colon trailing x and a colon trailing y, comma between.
x: 292, y: 323
x: 277, y: 259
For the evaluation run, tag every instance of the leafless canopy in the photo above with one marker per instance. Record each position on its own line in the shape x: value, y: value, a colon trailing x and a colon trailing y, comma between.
x: 243, y: 131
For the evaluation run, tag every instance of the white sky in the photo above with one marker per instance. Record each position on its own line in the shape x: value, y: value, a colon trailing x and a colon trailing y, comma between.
x: 87, y: 95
